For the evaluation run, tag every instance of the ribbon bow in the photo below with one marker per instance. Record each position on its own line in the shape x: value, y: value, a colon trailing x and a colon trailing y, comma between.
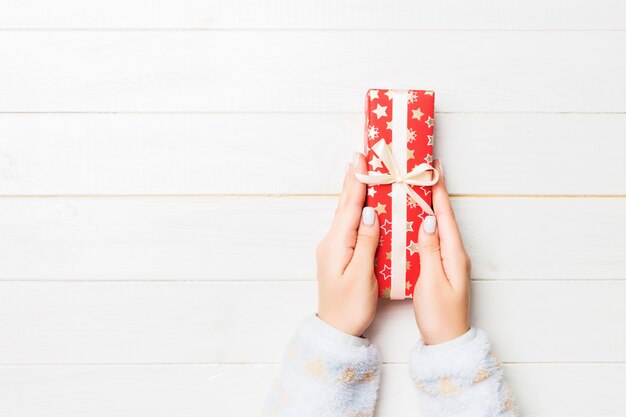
x: 415, y: 177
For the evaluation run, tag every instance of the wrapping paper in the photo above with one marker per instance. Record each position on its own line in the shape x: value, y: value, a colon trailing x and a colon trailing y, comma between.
x: 404, y: 120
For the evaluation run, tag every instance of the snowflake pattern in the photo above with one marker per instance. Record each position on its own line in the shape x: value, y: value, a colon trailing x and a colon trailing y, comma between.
x: 420, y: 128
x: 372, y: 132
x: 410, y: 135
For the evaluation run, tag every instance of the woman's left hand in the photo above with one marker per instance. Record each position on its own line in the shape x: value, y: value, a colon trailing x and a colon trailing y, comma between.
x: 348, y: 292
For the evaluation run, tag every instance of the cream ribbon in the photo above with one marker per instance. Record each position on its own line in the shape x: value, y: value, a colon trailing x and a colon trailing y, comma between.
x: 415, y: 177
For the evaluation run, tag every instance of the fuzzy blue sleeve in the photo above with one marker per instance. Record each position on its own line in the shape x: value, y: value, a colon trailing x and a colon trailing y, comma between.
x: 462, y: 377
x: 325, y: 372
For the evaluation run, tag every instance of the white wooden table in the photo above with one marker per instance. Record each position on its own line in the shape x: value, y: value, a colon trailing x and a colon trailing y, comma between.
x: 167, y: 167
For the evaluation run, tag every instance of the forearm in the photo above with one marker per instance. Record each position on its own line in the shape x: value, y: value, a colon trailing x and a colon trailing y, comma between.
x: 324, y: 373
x: 462, y: 377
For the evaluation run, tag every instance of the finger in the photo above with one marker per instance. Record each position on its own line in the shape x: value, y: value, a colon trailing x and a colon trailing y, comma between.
x: 362, y: 262
x: 351, y: 201
x: 337, y: 247
x: 448, y: 229
x: 429, y: 249
x: 452, y: 249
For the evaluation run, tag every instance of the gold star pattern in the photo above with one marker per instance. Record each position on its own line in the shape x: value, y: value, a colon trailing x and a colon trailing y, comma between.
x: 408, y: 268
x: 409, y: 226
x: 417, y: 114
x: 389, y: 94
x: 373, y: 94
x: 430, y: 121
x: 446, y: 386
x: 410, y: 154
x: 371, y: 191
x: 408, y: 285
x: 387, y: 293
x: 388, y: 255
x: 380, y: 111
x: 293, y: 352
x: 481, y: 375
x: 428, y: 93
x: 411, y: 96
x: 381, y: 209
x: 413, y: 247
x: 369, y: 375
x: 428, y: 158
x: 430, y: 139
x: 316, y: 368
x: 419, y: 384
x: 495, y: 359
x: 509, y: 403
x: 347, y: 376
x: 389, y: 125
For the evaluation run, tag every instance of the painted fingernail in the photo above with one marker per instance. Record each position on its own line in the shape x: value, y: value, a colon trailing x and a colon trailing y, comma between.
x: 368, y: 216
x: 355, y: 159
x: 430, y: 223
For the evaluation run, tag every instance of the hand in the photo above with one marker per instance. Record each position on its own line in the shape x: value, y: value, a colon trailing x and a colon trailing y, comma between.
x: 441, y: 295
x: 347, y: 288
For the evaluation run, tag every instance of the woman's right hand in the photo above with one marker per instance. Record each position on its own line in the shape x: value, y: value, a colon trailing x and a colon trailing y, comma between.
x: 441, y: 294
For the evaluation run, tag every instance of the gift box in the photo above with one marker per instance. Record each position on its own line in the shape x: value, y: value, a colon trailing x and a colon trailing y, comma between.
x: 399, y: 126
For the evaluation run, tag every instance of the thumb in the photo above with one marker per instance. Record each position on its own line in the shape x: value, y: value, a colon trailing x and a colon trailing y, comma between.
x: 429, y: 248
x: 362, y: 262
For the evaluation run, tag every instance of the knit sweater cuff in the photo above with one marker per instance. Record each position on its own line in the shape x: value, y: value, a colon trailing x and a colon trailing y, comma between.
x: 325, y: 373
x: 317, y: 340
x: 461, y: 377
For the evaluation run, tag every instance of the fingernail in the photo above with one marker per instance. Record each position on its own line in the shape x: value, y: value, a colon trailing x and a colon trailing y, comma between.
x: 430, y: 223
x: 355, y: 159
x: 368, y: 216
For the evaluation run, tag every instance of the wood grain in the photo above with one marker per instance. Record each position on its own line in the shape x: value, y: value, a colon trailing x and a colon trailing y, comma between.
x: 204, y: 238
x: 261, y: 71
x: 190, y: 322
x: 322, y: 14
x: 142, y: 275
x: 495, y: 154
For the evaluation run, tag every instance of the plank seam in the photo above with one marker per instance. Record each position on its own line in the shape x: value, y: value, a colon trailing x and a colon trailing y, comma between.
x: 285, y: 196
x: 80, y: 364
x: 287, y: 281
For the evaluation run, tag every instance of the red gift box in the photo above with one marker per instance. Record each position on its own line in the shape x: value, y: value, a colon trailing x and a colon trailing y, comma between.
x: 399, y: 126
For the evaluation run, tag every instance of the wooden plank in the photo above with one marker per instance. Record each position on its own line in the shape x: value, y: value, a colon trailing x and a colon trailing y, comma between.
x: 290, y: 153
x: 189, y: 322
x: 324, y: 14
x: 263, y: 71
x: 201, y: 238
x: 543, y: 390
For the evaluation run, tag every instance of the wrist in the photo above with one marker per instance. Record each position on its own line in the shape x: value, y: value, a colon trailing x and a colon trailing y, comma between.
x: 344, y: 318
x: 450, y: 344
x: 337, y: 332
x: 445, y: 335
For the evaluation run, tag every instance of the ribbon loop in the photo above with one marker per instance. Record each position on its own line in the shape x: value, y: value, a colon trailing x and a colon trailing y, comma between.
x: 414, y: 178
